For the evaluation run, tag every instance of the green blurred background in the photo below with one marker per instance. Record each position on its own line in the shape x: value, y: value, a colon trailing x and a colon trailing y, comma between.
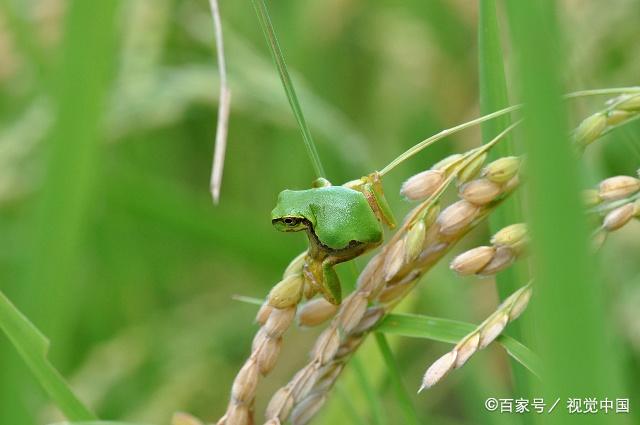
x: 110, y: 242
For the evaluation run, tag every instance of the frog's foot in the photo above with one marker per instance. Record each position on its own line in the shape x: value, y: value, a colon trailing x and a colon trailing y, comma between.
x: 321, y: 182
x: 331, y: 288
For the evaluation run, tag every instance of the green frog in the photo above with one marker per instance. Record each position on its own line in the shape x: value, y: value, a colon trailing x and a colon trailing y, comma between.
x: 341, y: 222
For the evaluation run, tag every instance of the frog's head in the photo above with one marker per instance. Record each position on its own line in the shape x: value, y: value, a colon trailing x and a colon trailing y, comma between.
x: 292, y: 212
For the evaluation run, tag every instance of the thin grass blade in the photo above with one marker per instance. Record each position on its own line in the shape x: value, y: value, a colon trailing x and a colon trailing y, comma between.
x: 452, y: 331
x: 53, y: 231
x: 267, y: 27
x: 375, y: 407
x: 404, y: 401
x: 349, y: 407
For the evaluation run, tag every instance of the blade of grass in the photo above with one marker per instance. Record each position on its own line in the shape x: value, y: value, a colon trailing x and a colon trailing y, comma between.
x: 48, y: 287
x: 452, y: 331
x: 223, y: 107
x: 267, y: 28
x: 570, y: 319
x: 33, y: 347
x: 80, y: 94
x: 404, y: 401
x: 375, y: 406
x: 349, y: 407
x: 492, y: 84
x: 493, y: 96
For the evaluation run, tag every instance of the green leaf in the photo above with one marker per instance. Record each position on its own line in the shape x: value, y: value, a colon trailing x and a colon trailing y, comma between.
x: 573, y: 329
x: 375, y: 407
x: 404, y: 401
x: 33, y: 347
x: 78, y: 91
x: 492, y: 81
x: 493, y: 96
x: 349, y: 407
x: 452, y: 331
x: 267, y: 28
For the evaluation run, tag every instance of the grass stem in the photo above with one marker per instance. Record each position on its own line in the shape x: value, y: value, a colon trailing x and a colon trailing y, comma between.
x: 267, y: 27
x: 402, y: 396
x: 574, y: 341
x: 377, y: 413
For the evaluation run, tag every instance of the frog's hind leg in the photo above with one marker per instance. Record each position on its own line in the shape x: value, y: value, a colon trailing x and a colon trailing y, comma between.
x: 331, y: 288
x: 374, y: 194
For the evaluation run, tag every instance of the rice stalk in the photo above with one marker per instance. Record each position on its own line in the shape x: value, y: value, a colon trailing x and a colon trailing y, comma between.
x: 426, y: 235
x: 616, y: 202
x: 618, y: 111
x: 616, y: 218
x: 631, y: 92
x: 386, y: 279
x: 509, y: 310
x: 620, y: 216
x: 620, y: 196
x: 275, y: 317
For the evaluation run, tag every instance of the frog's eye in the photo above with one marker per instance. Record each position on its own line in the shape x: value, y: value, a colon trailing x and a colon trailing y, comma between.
x: 291, y: 221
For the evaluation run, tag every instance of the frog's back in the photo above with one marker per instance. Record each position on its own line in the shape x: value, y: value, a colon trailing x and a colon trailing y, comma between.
x: 343, y: 215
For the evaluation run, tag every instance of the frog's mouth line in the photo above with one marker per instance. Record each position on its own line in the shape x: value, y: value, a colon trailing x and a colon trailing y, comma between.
x: 333, y: 251
x: 308, y: 226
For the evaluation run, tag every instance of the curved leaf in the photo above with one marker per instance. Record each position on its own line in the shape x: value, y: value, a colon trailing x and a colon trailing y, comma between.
x: 452, y: 331
x: 33, y: 347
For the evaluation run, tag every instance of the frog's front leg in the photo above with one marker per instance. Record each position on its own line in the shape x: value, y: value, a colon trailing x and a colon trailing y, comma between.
x: 320, y: 276
x: 331, y: 288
